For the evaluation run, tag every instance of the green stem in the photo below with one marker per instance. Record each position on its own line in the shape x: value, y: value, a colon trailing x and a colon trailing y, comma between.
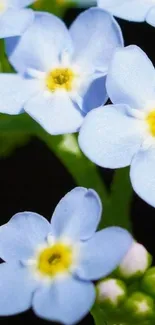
x: 118, y: 210
x: 116, y: 204
x: 83, y: 171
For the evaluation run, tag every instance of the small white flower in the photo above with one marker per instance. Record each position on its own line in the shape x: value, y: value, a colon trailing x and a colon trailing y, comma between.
x: 111, y: 291
x: 136, y: 261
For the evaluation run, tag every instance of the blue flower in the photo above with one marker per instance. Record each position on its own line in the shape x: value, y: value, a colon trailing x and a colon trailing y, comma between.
x: 133, y: 10
x: 50, y: 266
x: 14, y: 19
x: 118, y: 135
x: 63, y: 72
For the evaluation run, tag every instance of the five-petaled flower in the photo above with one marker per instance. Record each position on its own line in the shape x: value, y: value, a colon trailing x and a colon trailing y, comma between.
x: 14, y: 19
x: 118, y: 135
x: 63, y: 72
x: 133, y: 10
x: 50, y: 266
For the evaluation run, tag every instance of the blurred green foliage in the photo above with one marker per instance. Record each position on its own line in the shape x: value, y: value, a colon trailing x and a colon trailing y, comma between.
x: 57, y: 7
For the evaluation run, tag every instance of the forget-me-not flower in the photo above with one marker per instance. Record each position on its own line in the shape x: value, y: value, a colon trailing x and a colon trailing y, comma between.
x: 14, y: 19
x: 50, y: 266
x: 133, y: 10
x: 63, y: 72
x: 118, y: 135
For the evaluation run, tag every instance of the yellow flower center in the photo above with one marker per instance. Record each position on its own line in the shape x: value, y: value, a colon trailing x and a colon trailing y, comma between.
x: 55, y: 259
x: 60, y: 79
x: 151, y: 122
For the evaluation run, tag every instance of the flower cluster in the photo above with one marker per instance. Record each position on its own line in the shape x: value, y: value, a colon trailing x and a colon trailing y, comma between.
x: 128, y: 295
x: 63, y: 78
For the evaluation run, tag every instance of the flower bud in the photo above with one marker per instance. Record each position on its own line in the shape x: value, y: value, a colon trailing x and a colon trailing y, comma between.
x: 111, y: 292
x: 140, y: 306
x: 136, y: 262
x: 148, y: 281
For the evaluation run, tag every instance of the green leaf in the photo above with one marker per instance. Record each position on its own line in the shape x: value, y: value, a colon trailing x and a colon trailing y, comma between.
x: 56, y: 7
x: 9, y: 142
x: 99, y: 315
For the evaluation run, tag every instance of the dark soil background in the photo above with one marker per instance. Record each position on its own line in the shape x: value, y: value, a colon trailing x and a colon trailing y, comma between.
x: 33, y: 179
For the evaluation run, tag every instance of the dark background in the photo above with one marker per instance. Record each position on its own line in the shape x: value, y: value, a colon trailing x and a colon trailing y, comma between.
x: 33, y: 179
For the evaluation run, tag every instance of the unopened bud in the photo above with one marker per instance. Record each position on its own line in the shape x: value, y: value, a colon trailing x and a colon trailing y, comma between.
x: 140, y: 305
x: 111, y: 292
x: 136, y: 262
x: 148, y: 281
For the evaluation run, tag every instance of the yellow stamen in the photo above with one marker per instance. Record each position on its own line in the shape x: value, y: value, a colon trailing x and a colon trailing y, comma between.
x: 151, y: 122
x: 55, y: 259
x: 60, y: 79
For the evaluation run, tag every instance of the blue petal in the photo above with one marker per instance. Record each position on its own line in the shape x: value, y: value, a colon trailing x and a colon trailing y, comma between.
x: 14, y: 92
x: 20, y: 3
x: 142, y: 175
x: 131, y: 78
x: 66, y: 301
x: 101, y: 254
x: 95, y: 35
x: 96, y: 95
x: 150, y: 18
x: 56, y: 113
x: 127, y: 9
x: 110, y: 137
x: 17, y: 287
x: 21, y: 235
x: 41, y: 45
x: 77, y: 214
x: 14, y: 22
